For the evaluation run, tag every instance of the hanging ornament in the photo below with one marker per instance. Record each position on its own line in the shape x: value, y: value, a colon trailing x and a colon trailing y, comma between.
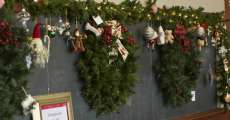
x: 61, y: 26
x: 200, y: 43
x: 78, y: 43
x: 222, y: 51
x: 215, y: 38
x: 23, y: 17
x: 2, y: 2
x: 169, y: 38
x: 154, y: 9
x: 40, y: 53
x: 161, y: 34
x: 226, y: 64
x: 28, y: 103
x: 28, y: 61
x: 107, y: 35
x: 151, y: 36
x: 51, y: 29
x: 227, y: 98
x: 67, y: 36
x: 200, y: 30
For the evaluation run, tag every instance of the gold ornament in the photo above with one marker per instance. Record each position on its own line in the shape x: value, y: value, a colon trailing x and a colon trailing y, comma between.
x: 179, y: 14
x: 185, y: 16
x: 173, y: 13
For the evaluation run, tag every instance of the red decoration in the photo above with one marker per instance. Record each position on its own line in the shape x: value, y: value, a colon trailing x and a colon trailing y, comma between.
x: 131, y: 40
x: 185, y: 44
x: 37, y: 31
x: 107, y: 35
x: 204, y: 25
x: 180, y: 31
x: 124, y: 29
x: 6, y: 36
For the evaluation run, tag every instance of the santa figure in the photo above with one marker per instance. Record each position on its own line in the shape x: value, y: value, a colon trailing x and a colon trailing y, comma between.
x: 40, y: 52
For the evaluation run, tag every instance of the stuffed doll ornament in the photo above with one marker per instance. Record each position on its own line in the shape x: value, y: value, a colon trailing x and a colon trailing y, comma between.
x: 40, y: 52
x: 200, y: 30
x: 27, y: 104
x: 161, y: 34
x: 78, y: 44
x: 151, y: 36
x: 169, y: 38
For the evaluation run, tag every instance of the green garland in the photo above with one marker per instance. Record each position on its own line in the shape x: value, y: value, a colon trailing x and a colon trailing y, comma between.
x: 13, y: 71
x: 107, y: 86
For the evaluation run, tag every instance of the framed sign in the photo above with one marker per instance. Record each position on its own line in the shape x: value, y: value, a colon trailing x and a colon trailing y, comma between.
x: 53, y: 107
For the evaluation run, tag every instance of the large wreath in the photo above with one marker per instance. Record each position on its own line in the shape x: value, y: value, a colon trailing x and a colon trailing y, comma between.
x: 108, y: 66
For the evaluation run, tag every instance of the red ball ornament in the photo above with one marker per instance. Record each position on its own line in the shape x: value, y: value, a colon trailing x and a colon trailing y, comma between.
x: 154, y: 9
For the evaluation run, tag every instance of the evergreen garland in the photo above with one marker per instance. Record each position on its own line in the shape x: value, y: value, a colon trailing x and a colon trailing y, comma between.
x: 13, y: 70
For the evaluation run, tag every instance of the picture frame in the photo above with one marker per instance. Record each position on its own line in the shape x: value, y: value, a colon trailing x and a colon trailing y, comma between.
x: 56, y: 106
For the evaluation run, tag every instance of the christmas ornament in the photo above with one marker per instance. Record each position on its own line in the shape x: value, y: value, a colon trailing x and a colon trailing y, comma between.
x: 51, y: 29
x: 40, y: 53
x: 200, y: 43
x: 61, y: 26
x: 92, y: 29
x: 222, y: 51
x: 154, y: 8
x: 107, y: 35
x: 200, y: 30
x: 169, y: 38
x: 98, y: 20
x: 27, y: 104
x: 151, y: 36
x: 122, y: 50
x: 226, y: 64
x: 23, y: 17
x: 47, y: 41
x: 161, y: 34
x: 116, y: 28
x: 28, y: 61
x: 215, y: 38
x: 67, y: 36
x: 113, y: 54
x: 78, y: 44
x: 2, y: 2
x: 227, y: 98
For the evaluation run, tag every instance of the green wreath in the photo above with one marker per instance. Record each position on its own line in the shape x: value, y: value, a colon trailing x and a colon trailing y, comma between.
x: 108, y: 80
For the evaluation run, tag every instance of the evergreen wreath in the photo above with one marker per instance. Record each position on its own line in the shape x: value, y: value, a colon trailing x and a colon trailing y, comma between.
x: 107, y: 85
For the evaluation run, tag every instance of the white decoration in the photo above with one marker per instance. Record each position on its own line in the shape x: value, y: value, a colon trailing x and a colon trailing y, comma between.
x: 61, y: 26
x: 193, y: 93
x: 123, y: 51
x: 201, y: 31
x: 113, y: 53
x: 28, y: 61
x: 151, y: 36
x: 92, y: 29
x: 27, y: 103
x: 98, y: 20
x: 116, y: 28
x: 222, y: 50
x: 161, y: 34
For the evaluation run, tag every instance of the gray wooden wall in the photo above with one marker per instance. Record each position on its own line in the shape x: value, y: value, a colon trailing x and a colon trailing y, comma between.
x: 146, y: 104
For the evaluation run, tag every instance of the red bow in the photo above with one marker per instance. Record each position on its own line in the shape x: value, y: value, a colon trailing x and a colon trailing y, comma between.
x: 180, y: 31
x: 107, y: 35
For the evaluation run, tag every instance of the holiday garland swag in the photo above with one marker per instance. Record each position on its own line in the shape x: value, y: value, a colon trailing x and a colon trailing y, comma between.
x: 13, y: 69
